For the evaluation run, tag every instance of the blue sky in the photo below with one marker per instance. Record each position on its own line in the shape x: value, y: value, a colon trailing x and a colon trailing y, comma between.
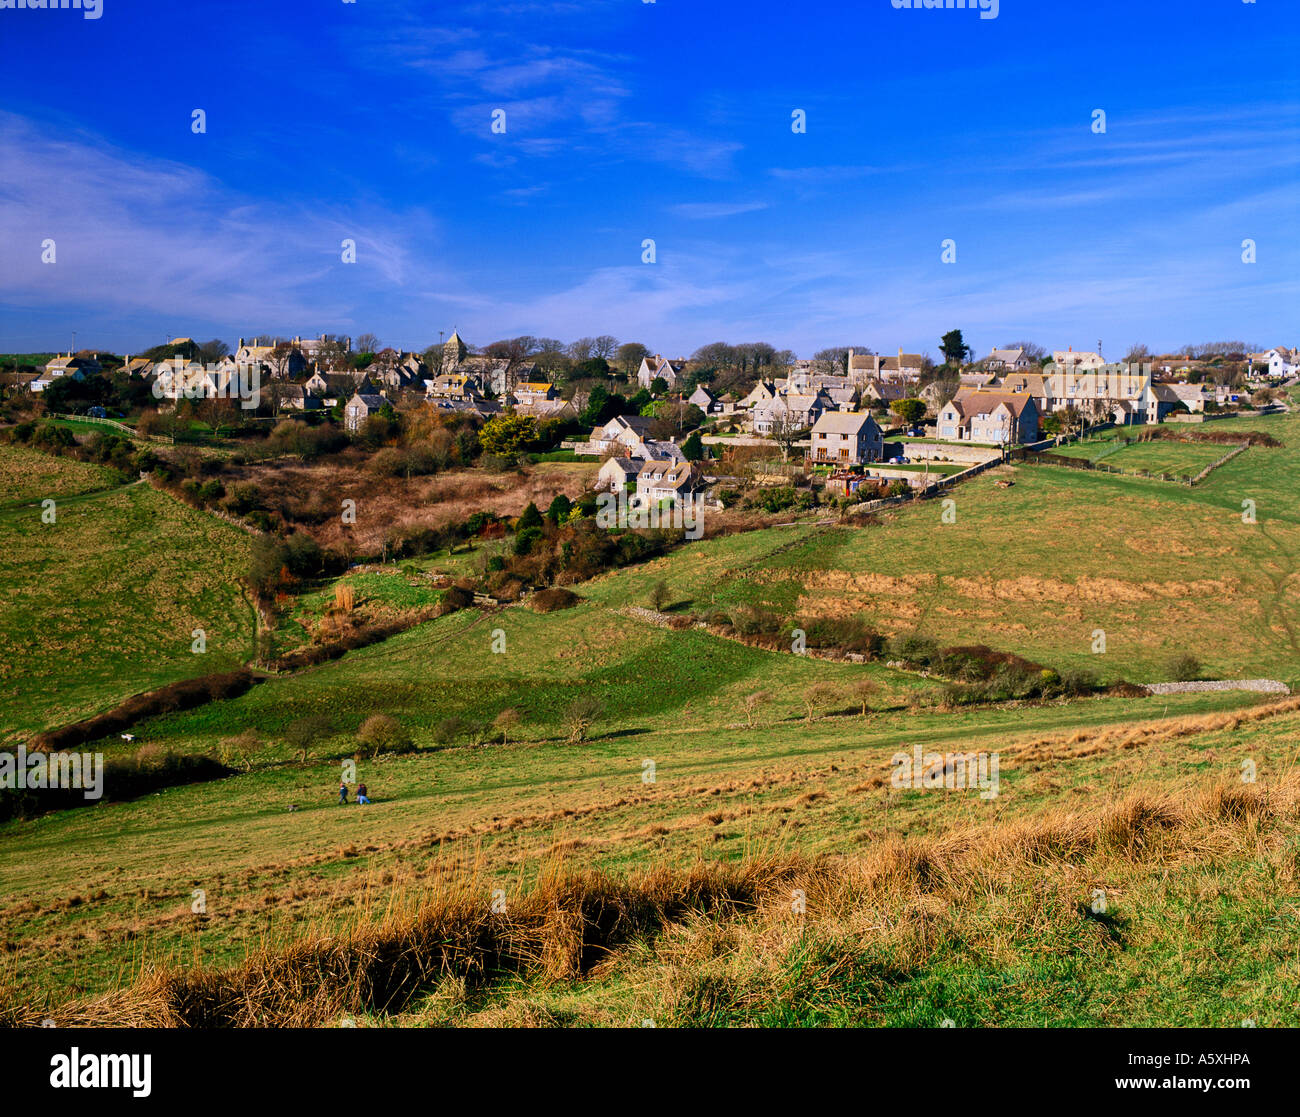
x: 669, y: 120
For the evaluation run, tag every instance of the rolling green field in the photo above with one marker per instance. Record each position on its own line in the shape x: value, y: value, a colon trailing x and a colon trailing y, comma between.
x: 28, y: 476
x: 103, y: 602
x: 923, y: 904
x: 1179, y: 459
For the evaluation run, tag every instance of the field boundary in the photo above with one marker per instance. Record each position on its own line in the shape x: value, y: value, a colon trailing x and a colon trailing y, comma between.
x: 1096, y: 465
x: 1260, y: 686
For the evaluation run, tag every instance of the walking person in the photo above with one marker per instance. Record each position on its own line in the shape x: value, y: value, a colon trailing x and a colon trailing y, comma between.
x: 362, y: 798
x: 343, y: 794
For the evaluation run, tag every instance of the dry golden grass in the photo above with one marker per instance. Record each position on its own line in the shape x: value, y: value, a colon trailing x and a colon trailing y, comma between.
x: 386, y: 504
x: 906, y: 894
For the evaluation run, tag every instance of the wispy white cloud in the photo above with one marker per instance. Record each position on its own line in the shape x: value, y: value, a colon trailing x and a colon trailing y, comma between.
x: 157, y: 236
x: 704, y: 211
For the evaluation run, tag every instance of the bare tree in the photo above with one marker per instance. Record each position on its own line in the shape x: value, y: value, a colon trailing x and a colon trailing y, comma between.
x: 863, y: 690
x: 214, y: 350
x: 580, y: 717
x: 630, y: 355
x: 604, y: 346
x: 279, y: 359
x: 752, y: 704
x: 582, y: 349
x: 368, y: 343
x: 818, y: 695
x: 786, y: 431
x: 1032, y: 350
x: 505, y: 721
x: 835, y: 360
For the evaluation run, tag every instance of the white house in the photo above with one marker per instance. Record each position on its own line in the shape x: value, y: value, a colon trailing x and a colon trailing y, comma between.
x: 622, y: 433
x: 1277, y: 363
x: 659, y: 481
x: 705, y: 400
x: 65, y: 365
x: 617, y: 473
x: 863, y: 366
x: 791, y: 410
x: 1193, y: 396
x: 1081, y: 360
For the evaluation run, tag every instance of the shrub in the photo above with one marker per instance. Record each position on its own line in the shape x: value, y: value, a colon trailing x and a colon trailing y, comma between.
x: 551, y: 600
x: 1183, y: 668
x: 914, y: 649
x: 1075, y: 682
x: 581, y: 716
x: 845, y: 634
x: 448, y: 730
x: 531, y: 517
x: 559, y: 510
x: 382, y: 733
x: 660, y: 596
x: 458, y: 597
x: 750, y: 620
x: 527, y: 539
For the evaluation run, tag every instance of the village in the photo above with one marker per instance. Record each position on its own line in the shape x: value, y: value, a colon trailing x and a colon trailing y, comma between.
x: 850, y: 420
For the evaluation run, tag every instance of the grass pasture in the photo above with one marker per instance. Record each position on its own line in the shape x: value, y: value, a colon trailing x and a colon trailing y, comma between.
x: 1162, y: 455
x: 511, y: 817
x: 102, y: 603
x: 29, y: 476
x: 692, y: 818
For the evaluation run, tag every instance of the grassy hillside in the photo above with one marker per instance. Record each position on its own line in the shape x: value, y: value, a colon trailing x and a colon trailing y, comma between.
x: 981, y: 902
x: 922, y: 904
x: 1039, y: 567
x: 103, y: 602
x: 29, y: 476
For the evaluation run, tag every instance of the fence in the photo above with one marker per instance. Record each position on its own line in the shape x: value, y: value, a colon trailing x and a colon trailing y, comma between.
x: 1034, y: 457
x: 933, y: 489
x: 183, y: 437
x: 95, y: 419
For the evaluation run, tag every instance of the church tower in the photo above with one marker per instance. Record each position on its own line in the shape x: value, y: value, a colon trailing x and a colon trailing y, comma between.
x: 453, y: 352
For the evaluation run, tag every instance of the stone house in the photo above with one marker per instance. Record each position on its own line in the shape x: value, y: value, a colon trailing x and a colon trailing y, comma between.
x: 654, y: 368
x: 1000, y: 418
x: 359, y: 408
x: 846, y: 438
x: 665, y: 480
